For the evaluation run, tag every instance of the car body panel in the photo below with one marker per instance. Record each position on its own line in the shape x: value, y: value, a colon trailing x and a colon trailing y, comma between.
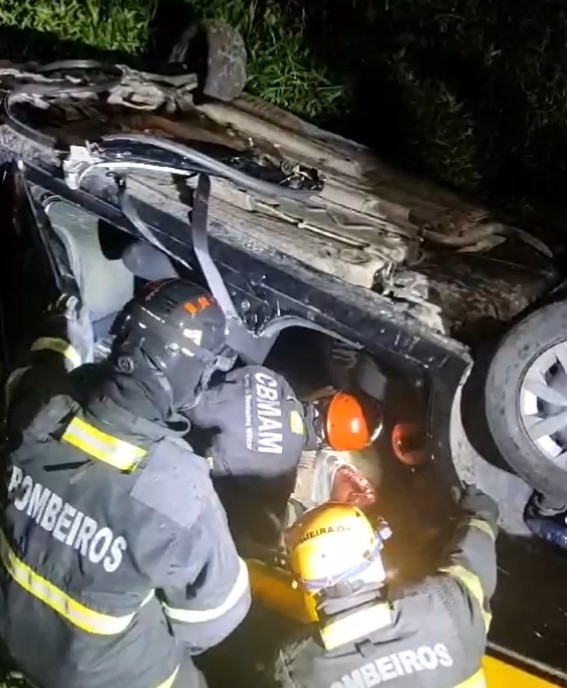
x: 265, y: 283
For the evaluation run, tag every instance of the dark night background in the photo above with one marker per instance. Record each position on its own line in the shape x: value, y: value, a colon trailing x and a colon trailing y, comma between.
x: 472, y: 94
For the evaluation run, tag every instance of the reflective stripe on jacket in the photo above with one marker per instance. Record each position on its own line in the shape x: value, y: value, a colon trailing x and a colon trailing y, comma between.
x: 115, y: 552
x: 432, y: 635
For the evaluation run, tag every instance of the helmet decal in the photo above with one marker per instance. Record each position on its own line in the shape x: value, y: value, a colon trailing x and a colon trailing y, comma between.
x: 179, y: 329
x: 199, y: 304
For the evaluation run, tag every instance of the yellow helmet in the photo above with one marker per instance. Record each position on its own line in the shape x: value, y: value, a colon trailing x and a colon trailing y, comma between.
x: 334, y: 543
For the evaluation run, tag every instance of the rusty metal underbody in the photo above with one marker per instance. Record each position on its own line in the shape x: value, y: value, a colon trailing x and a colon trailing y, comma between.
x: 447, y: 261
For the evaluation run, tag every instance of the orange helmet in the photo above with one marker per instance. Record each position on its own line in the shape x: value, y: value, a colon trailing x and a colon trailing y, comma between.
x: 340, y: 422
x: 346, y: 428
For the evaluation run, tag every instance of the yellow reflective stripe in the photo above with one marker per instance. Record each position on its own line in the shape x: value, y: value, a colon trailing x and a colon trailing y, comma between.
x: 12, y: 381
x: 357, y: 625
x: 84, y: 618
x: 499, y: 673
x: 101, y: 446
x: 296, y: 423
x: 480, y: 524
x: 169, y: 681
x: 148, y: 598
x: 60, y: 346
x: 476, y: 681
x: 473, y: 585
x: 239, y: 588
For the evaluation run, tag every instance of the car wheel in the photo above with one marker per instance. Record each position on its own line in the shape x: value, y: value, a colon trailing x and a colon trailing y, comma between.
x: 526, y: 399
x: 222, y: 74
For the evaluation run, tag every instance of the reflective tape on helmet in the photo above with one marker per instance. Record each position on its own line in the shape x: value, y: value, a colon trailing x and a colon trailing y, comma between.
x: 101, y: 446
x: 475, y: 681
x: 348, y: 573
x: 75, y: 612
x: 60, y: 346
x: 473, y: 585
x: 239, y: 589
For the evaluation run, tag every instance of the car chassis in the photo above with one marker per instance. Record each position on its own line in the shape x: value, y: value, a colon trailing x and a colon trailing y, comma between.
x: 262, y: 292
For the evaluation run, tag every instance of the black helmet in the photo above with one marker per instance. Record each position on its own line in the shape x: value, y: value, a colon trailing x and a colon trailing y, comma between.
x: 177, y: 329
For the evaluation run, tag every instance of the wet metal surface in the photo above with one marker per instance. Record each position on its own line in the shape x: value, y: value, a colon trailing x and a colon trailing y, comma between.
x: 529, y: 626
x: 530, y: 604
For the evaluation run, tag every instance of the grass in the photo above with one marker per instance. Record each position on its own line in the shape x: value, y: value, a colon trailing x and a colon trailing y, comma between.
x: 13, y: 682
x: 116, y: 25
x: 472, y: 94
x: 280, y: 66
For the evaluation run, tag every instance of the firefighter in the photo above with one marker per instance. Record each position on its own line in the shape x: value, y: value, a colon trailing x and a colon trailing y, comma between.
x: 259, y: 407
x: 431, y: 634
x: 263, y: 446
x: 117, y: 562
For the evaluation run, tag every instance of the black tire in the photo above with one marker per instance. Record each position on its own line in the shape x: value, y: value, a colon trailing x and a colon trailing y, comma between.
x: 528, y: 339
x: 215, y: 51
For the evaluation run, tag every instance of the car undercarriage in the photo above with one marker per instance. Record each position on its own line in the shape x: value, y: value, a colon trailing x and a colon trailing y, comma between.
x: 306, y: 240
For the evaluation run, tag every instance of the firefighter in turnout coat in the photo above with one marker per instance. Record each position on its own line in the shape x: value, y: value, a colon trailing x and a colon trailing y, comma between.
x: 117, y: 564
x: 255, y: 431
x: 431, y: 635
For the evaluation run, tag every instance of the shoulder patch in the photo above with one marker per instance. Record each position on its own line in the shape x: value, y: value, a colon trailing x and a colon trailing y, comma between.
x: 173, y: 482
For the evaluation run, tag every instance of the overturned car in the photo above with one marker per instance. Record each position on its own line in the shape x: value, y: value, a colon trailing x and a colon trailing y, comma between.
x: 307, y: 230
x: 313, y: 248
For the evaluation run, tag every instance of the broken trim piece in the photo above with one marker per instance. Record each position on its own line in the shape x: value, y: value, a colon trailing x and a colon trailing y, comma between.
x: 252, y: 346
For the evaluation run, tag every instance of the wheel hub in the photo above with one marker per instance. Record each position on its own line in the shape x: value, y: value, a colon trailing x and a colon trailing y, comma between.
x: 543, y: 403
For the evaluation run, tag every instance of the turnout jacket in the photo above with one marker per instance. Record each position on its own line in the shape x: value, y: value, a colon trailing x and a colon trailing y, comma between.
x: 116, y: 558
x: 256, y: 422
x: 432, y: 635
x: 252, y: 429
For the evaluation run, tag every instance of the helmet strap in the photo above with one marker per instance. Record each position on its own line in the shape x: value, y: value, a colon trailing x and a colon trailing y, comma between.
x: 223, y: 362
x: 318, y: 416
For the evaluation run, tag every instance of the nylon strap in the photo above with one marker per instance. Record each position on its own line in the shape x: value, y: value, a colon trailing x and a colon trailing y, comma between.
x: 199, y: 226
x: 239, y: 337
x: 219, y: 362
